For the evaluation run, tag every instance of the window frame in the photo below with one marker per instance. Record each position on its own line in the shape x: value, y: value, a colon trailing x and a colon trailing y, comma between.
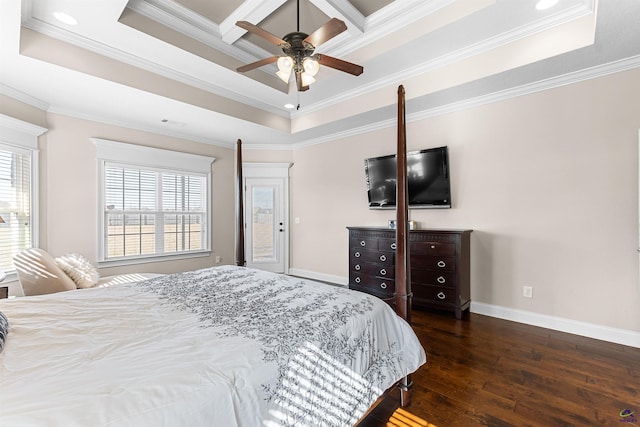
x: 22, y: 137
x: 149, y: 158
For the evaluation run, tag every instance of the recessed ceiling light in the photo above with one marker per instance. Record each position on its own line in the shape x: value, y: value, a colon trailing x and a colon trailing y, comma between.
x: 289, y: 106
x: 546, y: 4
x: 65, y: 18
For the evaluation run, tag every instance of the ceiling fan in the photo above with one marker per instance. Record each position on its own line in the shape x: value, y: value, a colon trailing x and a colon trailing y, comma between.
x: 298, y: 49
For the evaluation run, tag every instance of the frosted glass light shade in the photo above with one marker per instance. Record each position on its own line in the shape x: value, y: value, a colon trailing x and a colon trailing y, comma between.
x: 284, y: 75
x: 311, y: 66
x: 307, y: 79
x: 285, y: 63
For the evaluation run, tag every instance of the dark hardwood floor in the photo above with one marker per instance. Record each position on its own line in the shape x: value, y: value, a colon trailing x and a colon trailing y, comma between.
x: 483, y: 371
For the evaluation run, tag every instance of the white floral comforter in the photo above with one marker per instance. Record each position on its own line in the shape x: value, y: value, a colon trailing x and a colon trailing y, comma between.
x: 224, y: 346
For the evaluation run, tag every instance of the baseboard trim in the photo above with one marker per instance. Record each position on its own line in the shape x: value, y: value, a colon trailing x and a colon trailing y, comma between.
x: 337, y: 280
x: 590, y: 330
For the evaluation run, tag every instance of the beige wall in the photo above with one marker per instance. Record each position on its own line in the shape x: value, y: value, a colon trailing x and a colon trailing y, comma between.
x: 548, y: 182
x: 68, y: 188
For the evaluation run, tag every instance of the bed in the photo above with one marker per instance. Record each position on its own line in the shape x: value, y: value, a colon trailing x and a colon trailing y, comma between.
x: 220, y: 346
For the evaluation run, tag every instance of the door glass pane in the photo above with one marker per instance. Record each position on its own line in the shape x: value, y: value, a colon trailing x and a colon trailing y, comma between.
x: 263, y: 227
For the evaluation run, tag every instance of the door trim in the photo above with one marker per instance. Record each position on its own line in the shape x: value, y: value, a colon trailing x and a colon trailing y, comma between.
x: 270, y: 170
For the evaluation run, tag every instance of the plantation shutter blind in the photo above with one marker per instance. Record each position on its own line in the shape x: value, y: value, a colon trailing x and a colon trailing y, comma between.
x: 153, y: 212
x: 16, y: 231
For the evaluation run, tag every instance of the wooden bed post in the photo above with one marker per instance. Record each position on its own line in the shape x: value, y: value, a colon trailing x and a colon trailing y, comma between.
x: 240, y: 260
x: 402, y: 295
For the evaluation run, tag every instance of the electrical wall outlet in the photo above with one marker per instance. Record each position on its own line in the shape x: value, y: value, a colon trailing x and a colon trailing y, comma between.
x: 527, y: 291
x: 218, y: 259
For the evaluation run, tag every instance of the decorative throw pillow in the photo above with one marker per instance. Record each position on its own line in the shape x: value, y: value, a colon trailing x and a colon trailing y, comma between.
x: 79, y: 269
x: 4, y: 329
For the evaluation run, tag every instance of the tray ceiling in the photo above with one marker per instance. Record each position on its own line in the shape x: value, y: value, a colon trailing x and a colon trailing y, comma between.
x: 168, y: 66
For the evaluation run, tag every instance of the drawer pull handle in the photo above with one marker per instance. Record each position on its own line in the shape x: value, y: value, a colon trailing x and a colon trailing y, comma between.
x: 394, y: 246
x: 441, y: 279
x: 433, y: 246
x: 442, y: 264
x: 363, y: 243
x: 383, y: 258
x: 357, y: 280
x: 357, y: 267
x: 383, y: 285
x: 441, y: 295
x: 383, y: 272
x: 357, y: 254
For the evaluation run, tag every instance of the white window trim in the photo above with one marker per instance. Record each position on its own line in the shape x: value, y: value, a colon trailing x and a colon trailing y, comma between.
x: 136, y: 155
x: 24, y: 135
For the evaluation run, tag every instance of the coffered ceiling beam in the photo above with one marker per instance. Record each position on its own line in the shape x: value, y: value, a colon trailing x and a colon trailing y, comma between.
x: 250, y: 10
x: 344, y: 10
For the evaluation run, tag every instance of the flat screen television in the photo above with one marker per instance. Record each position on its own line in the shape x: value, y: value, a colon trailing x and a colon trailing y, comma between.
x: 427, y: 179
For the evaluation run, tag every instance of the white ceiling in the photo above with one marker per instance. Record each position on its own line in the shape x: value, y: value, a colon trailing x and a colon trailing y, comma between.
x: 168, y: 66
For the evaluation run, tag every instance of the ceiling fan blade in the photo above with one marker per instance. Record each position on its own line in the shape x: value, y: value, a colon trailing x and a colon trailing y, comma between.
x: 326, y: 32
x: 257, y: 64
x: 341, y: 65
x: 261, y: 33
x: 299, y: 82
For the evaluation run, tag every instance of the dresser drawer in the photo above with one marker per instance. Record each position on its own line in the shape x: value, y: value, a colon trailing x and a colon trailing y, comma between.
x: 434, y: 293
x: 433, y: 278
x: 433, y: 248
x: 387, y: 244
x: 370, y: 243
x: 380, y: 257
x: 377, y: 285
x: 372, y: 269
x: 444, y: 264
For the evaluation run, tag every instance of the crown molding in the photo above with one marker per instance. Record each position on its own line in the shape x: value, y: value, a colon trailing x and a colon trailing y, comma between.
x: 23, y: 97
x: 385, y: 21
x: 528, y: 89
x: 147, y: 65
x: 194, y: 26
x: 453, y: 57
x: 137, y: 126
x: 523, y: 90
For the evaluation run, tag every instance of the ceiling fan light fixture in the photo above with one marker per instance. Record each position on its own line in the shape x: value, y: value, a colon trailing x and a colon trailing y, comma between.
x: 285, y: 65
x: 307, y: 79
x: 311, y: 66
x: 284, y: 75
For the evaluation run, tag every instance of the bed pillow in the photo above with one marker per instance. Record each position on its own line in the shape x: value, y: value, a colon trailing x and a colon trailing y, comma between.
x: 79, y: 269
x: 4, y: 329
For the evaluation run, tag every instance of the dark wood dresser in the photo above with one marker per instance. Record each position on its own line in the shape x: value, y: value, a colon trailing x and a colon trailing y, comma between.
x: 440, y: 266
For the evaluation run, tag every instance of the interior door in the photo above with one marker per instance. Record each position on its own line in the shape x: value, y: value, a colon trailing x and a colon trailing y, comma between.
x: 265, y: 217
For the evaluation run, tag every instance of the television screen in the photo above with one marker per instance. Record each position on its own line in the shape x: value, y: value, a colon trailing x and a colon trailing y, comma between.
x: 427, y: 179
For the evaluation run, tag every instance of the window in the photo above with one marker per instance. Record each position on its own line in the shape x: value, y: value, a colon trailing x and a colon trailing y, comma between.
x: 149, y: 209
x: 18, y: 188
